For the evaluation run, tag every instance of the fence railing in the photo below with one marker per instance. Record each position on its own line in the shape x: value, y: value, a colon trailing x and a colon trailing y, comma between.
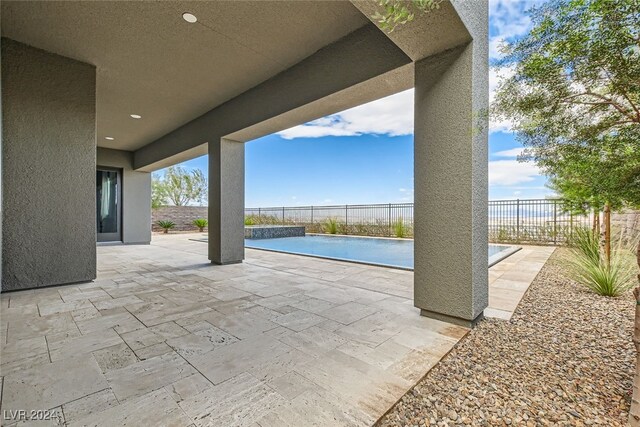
x: 533, y: 220
x: 517, y: 221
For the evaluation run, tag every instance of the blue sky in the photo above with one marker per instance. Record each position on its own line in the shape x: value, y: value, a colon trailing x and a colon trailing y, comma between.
x: 365, y: 154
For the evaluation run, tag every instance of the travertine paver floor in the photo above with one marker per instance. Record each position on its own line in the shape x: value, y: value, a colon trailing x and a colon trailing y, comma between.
x: 511, y: 277
x: 164, y: 338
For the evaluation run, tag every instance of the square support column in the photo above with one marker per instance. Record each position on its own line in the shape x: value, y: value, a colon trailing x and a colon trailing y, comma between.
x: 450, y: 150
x: 226, y: 201
x: 48, y: 168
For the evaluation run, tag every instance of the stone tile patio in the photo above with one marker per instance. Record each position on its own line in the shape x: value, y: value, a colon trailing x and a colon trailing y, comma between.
x: 511, y: 277
x: 163, y: 337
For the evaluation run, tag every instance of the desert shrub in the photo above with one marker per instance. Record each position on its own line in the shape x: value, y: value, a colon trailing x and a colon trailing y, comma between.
x: 166, y: 225
x: 586, y: 244
x: 201, y: 223
x: 399, y: 228
x: 331, y: 226
x: 588, y: 267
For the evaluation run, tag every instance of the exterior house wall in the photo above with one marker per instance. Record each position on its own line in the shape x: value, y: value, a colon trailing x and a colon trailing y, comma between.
x: 136, y: 195
x: 48, y: 174
x: 1, y: 156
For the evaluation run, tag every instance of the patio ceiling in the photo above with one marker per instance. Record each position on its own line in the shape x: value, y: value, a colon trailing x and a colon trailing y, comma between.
x: 153, y: 63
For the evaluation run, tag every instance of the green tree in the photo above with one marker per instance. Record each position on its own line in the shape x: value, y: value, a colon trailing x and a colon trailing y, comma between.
x: 574, y: 102
x: 574, y: 99
x: 179, y: 187
x: 592, y: 176
x: 158, y: 196
x: 399, y: 12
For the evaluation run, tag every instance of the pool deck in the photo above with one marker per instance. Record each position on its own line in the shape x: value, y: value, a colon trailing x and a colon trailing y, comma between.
x: 510, y: 278
x: 164, y: 337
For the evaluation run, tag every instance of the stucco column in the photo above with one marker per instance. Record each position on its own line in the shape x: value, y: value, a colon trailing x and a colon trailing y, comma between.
x: 226, y: 201
x: 48, y: 168
x: 451, y: 96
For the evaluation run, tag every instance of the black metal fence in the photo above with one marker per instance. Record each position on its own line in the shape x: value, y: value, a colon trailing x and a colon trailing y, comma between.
x: 516, y: 221
x: 389, y: 219
x: 533, y: 221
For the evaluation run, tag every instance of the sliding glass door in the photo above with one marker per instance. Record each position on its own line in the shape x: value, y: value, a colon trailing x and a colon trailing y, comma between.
x: 108, y: 205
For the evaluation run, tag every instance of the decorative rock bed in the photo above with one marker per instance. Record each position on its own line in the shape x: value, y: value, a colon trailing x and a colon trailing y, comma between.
x: 273, y: 231
x: 565, y: 358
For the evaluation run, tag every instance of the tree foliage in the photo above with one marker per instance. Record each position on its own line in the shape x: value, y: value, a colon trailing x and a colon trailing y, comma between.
x: 590, y: 176
x: 574, y: 98
x: 574, y: 101
x: 179, y: 187
x: 399, y: 12
x: 158, y: 196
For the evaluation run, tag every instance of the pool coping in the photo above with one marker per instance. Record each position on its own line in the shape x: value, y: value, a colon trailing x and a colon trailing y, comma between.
x: 496, y: 258
x: 397, y: 267
x: 401, y: 239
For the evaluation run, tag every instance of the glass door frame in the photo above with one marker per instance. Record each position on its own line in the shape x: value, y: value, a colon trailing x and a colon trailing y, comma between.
x: 116, y: 236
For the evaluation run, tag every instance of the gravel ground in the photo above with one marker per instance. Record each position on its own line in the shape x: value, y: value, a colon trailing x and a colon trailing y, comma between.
x: 565, y: 358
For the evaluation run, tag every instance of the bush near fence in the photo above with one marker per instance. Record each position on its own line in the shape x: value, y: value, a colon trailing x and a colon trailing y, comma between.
x: 540, y: 221
x: 365, y: 220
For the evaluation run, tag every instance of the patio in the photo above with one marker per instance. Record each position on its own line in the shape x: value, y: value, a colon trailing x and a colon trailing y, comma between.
x: 164, y: 337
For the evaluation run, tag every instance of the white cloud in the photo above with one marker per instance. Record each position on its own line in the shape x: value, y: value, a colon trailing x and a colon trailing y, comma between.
x: 514, y: 152
x: 391, y: 116
x: 511, y: 172
x: 495, y: 44
x: 508, y: 20
x: 406, y: 195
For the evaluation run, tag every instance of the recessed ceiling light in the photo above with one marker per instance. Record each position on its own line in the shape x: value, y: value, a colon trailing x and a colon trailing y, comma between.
x: 110, y: 138
x: 136, y: 116
x: 189, y: 17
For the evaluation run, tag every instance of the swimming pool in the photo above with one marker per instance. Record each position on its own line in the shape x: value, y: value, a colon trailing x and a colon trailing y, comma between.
x: 396, y: 253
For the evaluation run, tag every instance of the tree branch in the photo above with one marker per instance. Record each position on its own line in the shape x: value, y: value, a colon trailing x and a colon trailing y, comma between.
x: 605, y: 101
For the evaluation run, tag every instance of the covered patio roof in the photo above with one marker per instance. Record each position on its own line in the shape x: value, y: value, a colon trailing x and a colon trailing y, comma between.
x: 243, y: 70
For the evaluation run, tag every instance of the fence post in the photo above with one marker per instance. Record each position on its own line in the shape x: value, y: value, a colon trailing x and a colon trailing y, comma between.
x: 571, y: 225
x: 389, y: 219
x: 259, y: 214
x: 311, y: 215
x: 555, y: 222
x: 283, y: 215
x: 517, y: 220
x: 346, y: 219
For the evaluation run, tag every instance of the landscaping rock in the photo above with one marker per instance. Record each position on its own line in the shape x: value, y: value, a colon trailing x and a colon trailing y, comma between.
x: 565, y: 358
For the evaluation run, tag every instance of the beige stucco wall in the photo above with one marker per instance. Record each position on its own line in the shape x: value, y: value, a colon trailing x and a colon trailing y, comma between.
x: 48, y: 175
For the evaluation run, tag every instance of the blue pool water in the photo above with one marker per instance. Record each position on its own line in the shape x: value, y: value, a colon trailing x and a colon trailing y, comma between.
x: 386, y: 252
